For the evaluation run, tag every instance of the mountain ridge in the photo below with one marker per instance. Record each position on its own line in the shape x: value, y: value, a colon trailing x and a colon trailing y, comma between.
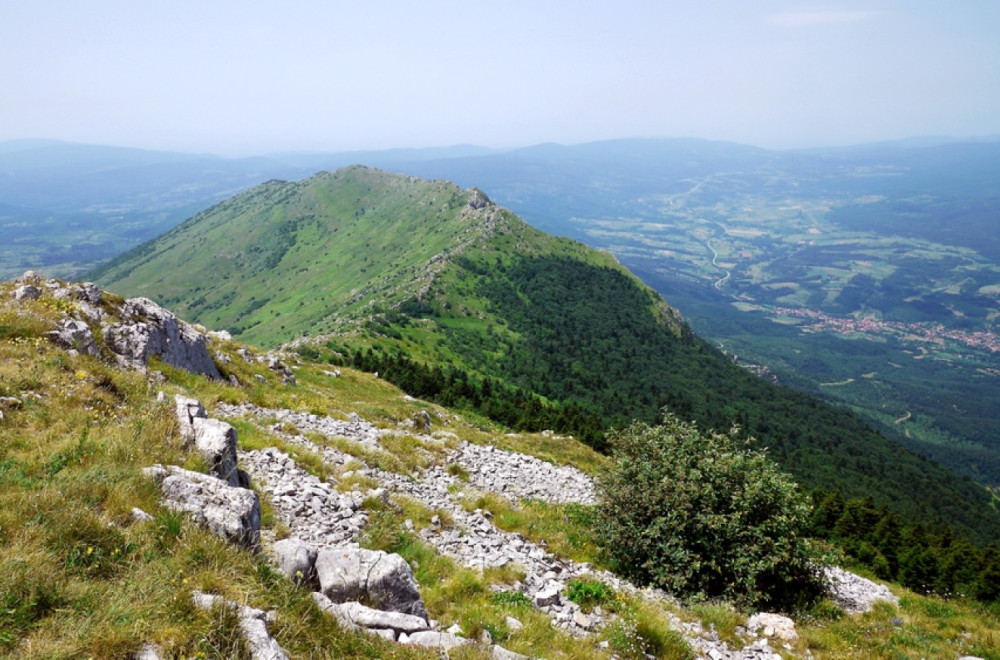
x: 545, y: 315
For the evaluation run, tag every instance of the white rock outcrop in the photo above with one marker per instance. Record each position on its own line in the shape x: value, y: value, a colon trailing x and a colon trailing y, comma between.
x: 146, y: 329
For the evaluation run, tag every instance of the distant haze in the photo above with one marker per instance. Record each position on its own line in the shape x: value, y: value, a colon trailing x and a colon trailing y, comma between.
x: 248, y: 77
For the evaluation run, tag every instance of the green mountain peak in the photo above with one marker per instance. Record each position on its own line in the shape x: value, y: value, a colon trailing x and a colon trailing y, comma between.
x: 287, y: 259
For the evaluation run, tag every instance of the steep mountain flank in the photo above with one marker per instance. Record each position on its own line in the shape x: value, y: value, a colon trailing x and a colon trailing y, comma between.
x: 457, y: 299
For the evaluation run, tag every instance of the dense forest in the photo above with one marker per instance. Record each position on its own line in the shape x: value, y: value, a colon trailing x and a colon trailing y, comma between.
x: 581, y: 337
x: 927, y: 560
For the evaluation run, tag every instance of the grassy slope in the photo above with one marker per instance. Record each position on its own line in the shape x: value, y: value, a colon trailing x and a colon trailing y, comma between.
x: 494, y: 296
x: 79, y: 578
x: 284, y: 259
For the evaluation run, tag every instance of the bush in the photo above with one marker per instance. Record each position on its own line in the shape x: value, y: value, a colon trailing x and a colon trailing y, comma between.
x: 705, y: 516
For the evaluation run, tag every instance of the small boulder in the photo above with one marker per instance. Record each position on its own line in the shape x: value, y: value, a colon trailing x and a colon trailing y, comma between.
x: 367, y: 617
x: 296, y: 560
x: 216, y: 440
x: 500, y: 653
x: 230, y: 512
x: 87, y: 292
x: 27, y: 292
x: 773, y: 625
x: 29, y: 277
x: 548, y: 595
x: 260, y: 644
x: 383, y: 579
x: 74, y: 335
x: 187, y: 411
x: 433, y: 639
x: 422, y: 421
x: 138, y: 515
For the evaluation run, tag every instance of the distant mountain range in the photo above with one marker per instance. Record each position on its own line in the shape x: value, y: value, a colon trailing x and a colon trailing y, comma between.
x: 865, y: 275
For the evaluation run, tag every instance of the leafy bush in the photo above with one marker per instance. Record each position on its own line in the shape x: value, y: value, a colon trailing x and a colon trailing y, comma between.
x: 704, y: 515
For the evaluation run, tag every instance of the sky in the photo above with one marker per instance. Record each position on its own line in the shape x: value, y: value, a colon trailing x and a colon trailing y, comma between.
x: 251, y: 77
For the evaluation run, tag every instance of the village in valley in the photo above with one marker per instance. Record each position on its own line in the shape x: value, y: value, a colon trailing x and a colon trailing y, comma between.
x: 934, y: 334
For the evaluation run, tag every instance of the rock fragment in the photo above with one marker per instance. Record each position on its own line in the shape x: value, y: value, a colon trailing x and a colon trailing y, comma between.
x: 252, y: 623
x: 383, y: 579
x: 230, y: 512
x: 74, y: 336
x: 296, y: 560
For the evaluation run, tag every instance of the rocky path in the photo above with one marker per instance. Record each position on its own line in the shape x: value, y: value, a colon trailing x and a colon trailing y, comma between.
x: 319, y: 514
x: 313, y: 510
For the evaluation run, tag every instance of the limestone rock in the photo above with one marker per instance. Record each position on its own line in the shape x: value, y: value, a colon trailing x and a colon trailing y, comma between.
x: 773, y: 625
x: 230, y: 512
x: 149, y: 652
x: 500, y: 653
x: 582, y: 620
x: 548, y: 595
x: 74, y: 335
x: 853, y: 592
x: 422, y: 421
x: 432, y: 639
x: 252, y: 623
x: 367, y: 617
x: 27, y: 292
x: 138, y: 515
x: 296, y: 560
x: 147, y: 329
x: 374, y: 576
x: 87, y: 292
x: 216, y: 440
x: 187, y: 411
x: 10, y: 402
x: 328, y: 606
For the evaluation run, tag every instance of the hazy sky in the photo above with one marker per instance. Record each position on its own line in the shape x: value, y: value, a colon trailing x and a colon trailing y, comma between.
x: 244, y: 77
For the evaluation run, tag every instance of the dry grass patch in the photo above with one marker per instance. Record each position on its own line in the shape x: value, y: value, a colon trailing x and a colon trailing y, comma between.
x: 921, y: 627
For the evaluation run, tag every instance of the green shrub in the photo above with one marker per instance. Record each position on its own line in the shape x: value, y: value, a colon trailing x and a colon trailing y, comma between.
x: 704, y: 515
x: 588, y: 593
x: 512, y: 598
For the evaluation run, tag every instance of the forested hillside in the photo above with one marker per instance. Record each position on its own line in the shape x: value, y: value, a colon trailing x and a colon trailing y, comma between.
x: 426, y: 274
